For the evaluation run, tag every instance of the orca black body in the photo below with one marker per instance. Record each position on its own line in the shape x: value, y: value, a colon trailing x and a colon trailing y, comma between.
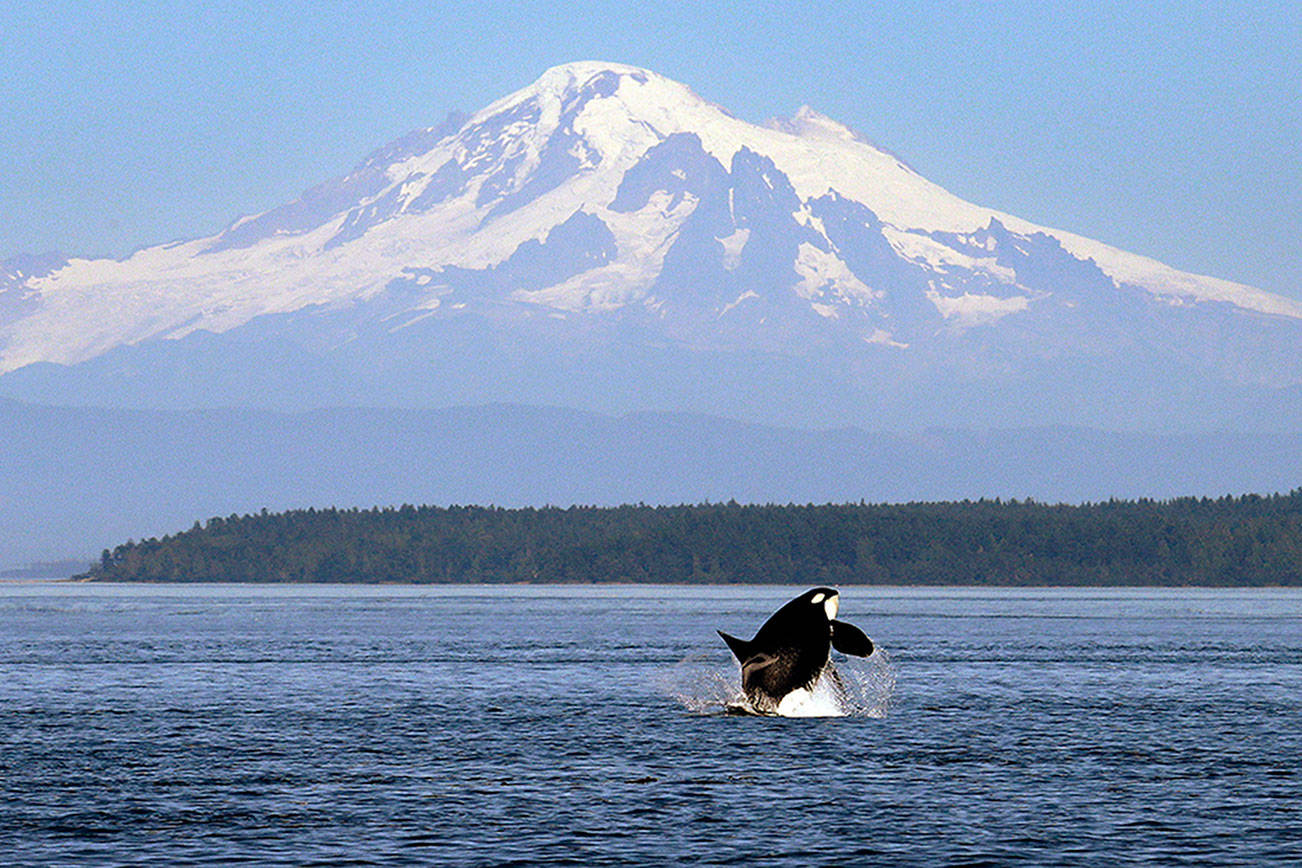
x: 793, y: 647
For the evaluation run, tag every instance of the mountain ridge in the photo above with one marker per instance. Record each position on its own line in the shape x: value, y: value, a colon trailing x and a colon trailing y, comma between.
x: 620, y: 202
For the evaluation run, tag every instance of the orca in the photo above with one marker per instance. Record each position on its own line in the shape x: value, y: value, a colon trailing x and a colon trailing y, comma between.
x: 793, y: 649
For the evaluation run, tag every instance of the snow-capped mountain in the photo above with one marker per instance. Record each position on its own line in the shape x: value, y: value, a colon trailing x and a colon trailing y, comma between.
x: 606, y: 238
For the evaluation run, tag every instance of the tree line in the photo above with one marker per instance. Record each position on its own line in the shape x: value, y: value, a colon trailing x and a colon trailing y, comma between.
x: 1230, y: 541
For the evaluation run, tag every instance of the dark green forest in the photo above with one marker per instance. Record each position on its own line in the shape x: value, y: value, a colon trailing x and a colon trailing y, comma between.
x: 1231, y: 541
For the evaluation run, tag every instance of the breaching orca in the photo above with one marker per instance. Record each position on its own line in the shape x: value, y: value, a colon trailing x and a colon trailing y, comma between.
x: 792, y: 649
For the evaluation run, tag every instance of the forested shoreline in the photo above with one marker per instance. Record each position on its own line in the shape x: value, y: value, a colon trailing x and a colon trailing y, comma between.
x: 1230, y: 541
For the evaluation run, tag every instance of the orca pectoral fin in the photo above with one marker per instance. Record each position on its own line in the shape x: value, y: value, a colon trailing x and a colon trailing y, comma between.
x: 849, y: 639
x: 755, y: 663
x: 740, y: 647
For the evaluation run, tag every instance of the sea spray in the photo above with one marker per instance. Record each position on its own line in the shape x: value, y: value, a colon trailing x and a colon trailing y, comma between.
x: 706, y: 683
x: 866, y: 685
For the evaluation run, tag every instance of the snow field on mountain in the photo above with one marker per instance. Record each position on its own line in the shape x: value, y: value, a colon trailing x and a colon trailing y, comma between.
x: 596, y: 122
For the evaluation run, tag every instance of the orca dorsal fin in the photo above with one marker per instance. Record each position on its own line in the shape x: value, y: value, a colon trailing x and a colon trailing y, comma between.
x: 740, y: 647
x: 849, y: 639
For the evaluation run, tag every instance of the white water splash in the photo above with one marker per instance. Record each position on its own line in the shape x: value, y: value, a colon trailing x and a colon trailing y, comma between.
x: 850, y: 687
x: 703, y: 684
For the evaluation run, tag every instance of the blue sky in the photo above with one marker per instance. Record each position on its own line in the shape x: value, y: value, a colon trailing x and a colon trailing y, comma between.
x: 1172, y: 129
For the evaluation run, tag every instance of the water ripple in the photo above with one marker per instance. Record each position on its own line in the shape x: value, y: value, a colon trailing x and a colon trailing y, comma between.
x: 369, y: 727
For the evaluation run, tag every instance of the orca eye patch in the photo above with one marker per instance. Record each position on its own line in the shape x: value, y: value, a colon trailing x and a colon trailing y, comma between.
x: 817, y: 598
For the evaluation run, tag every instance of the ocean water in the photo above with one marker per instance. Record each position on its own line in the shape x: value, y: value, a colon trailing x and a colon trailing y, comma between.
x: 514, y: 725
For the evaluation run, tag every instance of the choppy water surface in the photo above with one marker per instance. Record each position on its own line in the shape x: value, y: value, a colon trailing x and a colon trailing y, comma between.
x: 576, y: 725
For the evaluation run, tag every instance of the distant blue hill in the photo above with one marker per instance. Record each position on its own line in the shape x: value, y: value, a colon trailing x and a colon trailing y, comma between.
x: 76, y: 480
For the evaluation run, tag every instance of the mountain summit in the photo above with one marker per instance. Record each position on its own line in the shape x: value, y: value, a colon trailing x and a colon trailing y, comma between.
x: 605, y: 238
